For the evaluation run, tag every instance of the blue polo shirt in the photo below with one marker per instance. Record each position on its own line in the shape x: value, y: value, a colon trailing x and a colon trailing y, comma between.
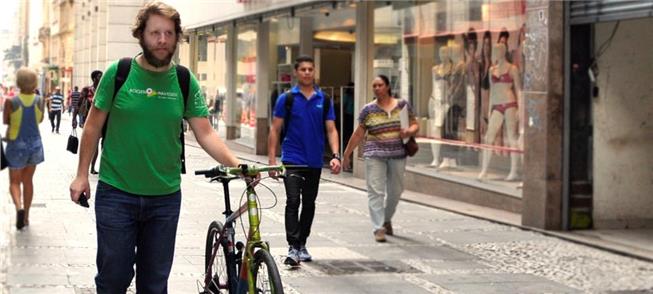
x: 304, y: 140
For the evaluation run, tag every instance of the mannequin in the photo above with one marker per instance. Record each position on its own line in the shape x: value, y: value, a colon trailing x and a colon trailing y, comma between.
x: 438, y: 105
x: 504, y: 92
x: 472, y: 76
x: 456, y: 98
x: 486, y: 63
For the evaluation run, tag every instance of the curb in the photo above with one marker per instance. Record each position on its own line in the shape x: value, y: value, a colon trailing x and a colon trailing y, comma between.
x: 566, y: 236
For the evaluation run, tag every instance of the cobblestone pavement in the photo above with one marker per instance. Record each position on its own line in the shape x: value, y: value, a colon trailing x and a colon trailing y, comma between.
x: 434, y: 251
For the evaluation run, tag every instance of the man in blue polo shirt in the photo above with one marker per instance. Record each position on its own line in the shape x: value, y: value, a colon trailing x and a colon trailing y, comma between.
x: 303, y: 144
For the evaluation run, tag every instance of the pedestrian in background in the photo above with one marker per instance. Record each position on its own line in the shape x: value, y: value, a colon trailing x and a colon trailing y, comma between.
x: 138, y: 194
x: 55, y: 107
x: 303, y: 144
x: 73, y: 100
x: 22, y: 115
x: 86, y: 99
x: 83, y: 107
x: 384, y: 153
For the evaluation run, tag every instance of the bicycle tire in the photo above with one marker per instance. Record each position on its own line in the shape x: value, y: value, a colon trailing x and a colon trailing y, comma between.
x: 219, y: 266
x: 273, y: 284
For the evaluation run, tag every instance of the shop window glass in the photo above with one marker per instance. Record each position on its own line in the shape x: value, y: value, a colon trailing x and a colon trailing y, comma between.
x: 246, y: 82
x: 211, y: 73
x: 460, y: 65
x: 285, y: 47
x: 202, y: 47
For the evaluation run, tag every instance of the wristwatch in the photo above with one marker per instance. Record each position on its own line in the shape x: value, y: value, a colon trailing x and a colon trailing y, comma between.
x: 336, y: 156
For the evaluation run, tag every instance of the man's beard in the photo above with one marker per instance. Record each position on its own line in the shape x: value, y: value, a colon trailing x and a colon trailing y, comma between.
x: 153, y: 60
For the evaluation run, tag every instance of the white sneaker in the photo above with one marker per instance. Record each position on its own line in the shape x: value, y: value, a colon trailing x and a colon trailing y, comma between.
x: 293, y: 257
x: 304, y: 255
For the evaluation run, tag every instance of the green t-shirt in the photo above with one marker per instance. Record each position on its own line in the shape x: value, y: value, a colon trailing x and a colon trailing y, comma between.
x: 141, y: 148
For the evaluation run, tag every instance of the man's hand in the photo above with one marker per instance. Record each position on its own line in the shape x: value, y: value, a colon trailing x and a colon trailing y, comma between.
x: 273, y: 173
x: 335, y: 166
x: 74, y: 122
x: 79, y: 185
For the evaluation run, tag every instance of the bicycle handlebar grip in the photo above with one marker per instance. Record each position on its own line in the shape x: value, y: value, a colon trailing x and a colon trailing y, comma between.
x: 201, y: 172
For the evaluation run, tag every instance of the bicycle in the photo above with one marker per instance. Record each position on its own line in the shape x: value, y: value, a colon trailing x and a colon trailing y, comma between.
x: 225, y: 266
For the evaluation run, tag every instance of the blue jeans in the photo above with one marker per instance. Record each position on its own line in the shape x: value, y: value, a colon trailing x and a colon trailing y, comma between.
x: 133, y: 229
x: 385, y: 183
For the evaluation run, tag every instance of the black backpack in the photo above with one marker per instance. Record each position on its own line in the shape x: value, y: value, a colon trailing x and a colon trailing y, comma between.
x: 183, y: 78
x: 290, y: 98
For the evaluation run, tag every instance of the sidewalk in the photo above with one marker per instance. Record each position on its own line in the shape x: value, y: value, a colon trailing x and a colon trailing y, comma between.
x: 434, y: 251
x: 637, y: 243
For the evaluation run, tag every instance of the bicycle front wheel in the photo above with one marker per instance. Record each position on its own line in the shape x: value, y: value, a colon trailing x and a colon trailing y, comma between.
x: 216, y: 262
x: 266, y: 274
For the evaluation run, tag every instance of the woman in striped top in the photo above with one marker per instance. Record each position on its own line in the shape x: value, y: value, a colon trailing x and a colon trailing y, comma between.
x: 385, y: 157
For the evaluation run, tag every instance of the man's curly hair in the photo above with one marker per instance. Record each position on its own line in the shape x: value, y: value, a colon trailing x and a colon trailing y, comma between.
x: 158, y: 8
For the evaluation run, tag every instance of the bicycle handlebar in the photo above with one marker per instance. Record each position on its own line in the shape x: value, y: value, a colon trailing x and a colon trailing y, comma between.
x: 244, y: 169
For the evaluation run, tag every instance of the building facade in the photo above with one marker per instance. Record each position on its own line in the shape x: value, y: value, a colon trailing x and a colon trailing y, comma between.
x: 102, y: 35
x: 481, y: 123
x: 537, y: 137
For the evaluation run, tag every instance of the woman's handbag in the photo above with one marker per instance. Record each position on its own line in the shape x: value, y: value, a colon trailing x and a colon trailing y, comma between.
x: 3, y: 157
x: 73, y: 142
x: 411, y: 146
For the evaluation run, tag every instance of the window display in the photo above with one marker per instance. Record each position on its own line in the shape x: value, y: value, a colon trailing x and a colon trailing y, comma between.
x: 460, y: 65
x: 246, y: 82
x: 211, y: 73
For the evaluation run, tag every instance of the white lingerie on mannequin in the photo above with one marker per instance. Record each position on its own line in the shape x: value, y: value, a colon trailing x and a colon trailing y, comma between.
x: 456, y: 84
x: 438, y: 106
x: 470, y: 118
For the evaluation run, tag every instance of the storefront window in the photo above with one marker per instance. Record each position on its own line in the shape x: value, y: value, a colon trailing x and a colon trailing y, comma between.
x: 460, y: 64
x: 284, y: 44
x: 211, y: 74
x: 246, y: 82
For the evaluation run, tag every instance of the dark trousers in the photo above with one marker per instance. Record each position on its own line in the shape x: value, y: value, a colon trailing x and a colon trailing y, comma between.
x: 301, y: 188
x: 55, y: 115
x: 133, y: 229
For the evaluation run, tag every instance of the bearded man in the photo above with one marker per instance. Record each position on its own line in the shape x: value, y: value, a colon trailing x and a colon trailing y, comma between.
x: 138, y: 194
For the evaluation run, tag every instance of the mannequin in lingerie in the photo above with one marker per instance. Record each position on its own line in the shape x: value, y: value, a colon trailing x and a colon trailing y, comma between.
x: 438, y: 104
x: 456, y: 110
x: 472, y: 76
x: 486, y: 63
x: 504, y: 92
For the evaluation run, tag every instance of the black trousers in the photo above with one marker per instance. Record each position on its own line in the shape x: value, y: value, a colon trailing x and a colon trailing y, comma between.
x: 301, y: 188
x: 55, y: 116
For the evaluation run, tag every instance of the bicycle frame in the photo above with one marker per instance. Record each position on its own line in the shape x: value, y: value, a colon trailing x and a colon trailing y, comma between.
x: 241, y: 282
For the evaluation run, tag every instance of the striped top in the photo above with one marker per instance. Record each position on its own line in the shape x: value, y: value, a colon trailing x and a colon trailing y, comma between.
x: 56, y: 102
x: 74, y: 98
x: 382, y: 139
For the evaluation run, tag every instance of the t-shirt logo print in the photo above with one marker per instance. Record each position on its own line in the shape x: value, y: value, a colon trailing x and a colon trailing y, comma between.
x: 150, y: 92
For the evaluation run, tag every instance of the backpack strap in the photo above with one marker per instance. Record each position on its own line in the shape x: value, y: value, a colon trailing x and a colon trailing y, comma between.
x: 183, y: 78
x: 326, y: 107
x: 124, y: 66
x: 290, y: 98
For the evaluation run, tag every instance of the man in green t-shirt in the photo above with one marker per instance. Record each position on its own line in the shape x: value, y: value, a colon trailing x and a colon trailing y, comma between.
x: 138, y: 195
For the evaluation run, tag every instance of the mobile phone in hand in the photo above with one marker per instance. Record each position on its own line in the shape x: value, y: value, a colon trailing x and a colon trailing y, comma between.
x: 83, y: 200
